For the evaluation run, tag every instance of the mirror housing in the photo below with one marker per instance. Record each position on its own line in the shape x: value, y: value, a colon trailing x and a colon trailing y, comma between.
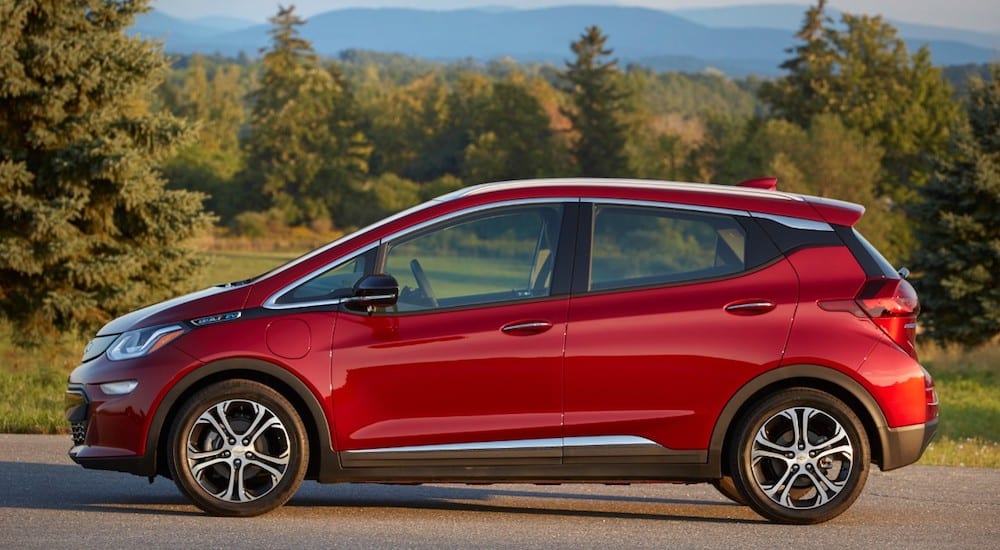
x: 374, y: 290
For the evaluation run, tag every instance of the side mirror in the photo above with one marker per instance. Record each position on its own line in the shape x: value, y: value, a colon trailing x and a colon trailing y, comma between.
x: 372, y: 291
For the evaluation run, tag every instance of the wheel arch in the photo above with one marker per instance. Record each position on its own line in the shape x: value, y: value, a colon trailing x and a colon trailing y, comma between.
x: 281, y: 380
x: 826, y: 379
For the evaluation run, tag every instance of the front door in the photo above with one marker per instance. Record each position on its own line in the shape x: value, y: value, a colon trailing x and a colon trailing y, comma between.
x: 468, y: 364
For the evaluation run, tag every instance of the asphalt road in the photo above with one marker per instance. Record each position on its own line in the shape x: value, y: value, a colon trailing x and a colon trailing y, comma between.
x: 46, y: 501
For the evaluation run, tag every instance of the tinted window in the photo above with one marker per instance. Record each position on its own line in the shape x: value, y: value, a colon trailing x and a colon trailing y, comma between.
x: 337, y: 282
x: 634, y: 246
x: 494, y: 257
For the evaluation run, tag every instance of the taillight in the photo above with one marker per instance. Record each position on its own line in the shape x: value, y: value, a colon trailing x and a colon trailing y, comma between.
x: 930, y: 396
x: 892, y: 304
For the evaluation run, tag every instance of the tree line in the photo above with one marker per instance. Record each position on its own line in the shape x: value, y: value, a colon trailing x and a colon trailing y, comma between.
x: 110, y: 158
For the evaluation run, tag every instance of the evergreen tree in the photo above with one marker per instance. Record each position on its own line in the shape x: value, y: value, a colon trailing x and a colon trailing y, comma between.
x: 305, y: 151
x: 959, y: 261
x: 862, y: 72
x: 87, y: 230
x: 598, y: 101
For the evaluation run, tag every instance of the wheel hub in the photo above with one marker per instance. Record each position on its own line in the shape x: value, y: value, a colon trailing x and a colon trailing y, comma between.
x: 237, y: 450
x: 801, y: 458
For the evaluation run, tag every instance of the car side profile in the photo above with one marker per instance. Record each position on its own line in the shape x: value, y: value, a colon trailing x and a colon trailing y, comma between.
x: 550, y: 331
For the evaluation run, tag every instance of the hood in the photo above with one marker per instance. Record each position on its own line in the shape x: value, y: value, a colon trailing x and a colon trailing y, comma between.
x: 210, y: 301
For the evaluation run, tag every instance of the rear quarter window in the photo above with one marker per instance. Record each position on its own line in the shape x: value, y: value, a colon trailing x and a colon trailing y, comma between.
x: 638, y: 246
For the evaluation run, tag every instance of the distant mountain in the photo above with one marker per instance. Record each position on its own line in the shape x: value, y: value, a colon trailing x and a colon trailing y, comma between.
x: 225, y: 24
x: 789, y: 17
x: 689, y: 40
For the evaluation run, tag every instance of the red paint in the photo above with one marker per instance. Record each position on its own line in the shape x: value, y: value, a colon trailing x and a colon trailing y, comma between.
x: 659, y: 362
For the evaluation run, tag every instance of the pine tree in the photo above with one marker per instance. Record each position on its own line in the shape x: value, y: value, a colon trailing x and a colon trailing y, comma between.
x: 87, y: 230
x: 598, y: 101
x: 862, y: 72
x: 305, y: 151
x: 805, y: 91
x: 959, y: 261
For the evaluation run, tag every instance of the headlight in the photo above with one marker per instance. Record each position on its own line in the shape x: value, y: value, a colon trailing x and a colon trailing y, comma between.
x: 96, y: 347
x: 137, y: 343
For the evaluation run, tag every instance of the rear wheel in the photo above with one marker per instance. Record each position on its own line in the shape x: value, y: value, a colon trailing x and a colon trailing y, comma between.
x: 800, y: 456
x: 238, y: 448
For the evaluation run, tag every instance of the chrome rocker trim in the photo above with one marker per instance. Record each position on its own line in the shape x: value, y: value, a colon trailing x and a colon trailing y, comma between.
x: 592, y: 449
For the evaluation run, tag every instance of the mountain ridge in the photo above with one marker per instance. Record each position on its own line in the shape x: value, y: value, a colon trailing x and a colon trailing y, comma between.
x: 637, y: 35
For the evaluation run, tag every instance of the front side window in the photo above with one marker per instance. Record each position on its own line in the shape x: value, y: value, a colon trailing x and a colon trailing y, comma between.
x: 639, y: 246
x: 336, y: 282
x: 499, y: 256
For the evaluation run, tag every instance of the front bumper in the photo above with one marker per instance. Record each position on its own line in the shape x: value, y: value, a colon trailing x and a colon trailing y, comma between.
x: 111, y: 432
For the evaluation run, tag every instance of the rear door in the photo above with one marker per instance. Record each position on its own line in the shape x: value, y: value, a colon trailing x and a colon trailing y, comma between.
x: 672, y: 311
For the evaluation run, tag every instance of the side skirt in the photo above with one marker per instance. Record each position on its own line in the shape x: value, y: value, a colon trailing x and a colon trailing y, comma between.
x: 612, y: 459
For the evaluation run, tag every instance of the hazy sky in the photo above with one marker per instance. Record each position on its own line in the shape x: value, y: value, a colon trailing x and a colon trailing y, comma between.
x: 969, y: 14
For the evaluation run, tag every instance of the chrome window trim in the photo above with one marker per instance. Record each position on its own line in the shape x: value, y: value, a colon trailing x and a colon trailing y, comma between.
x: 385, y: 221
x: 271, y: 302
x: 794, y: 223
x: 475, y: 210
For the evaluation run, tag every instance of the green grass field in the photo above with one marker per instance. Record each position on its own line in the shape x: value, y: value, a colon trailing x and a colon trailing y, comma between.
x: 968, y: 382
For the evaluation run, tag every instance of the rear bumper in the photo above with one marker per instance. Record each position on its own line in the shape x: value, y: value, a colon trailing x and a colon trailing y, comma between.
x: 903, y: 446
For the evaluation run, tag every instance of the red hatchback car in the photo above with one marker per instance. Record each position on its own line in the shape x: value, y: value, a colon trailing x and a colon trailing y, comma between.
x: 536, y: 331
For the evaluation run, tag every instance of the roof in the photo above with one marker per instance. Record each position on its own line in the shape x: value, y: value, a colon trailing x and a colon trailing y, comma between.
x: 713, y: 195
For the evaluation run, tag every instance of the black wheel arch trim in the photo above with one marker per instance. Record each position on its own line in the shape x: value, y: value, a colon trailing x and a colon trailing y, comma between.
x: 317, y: 423
x: 885, y: 451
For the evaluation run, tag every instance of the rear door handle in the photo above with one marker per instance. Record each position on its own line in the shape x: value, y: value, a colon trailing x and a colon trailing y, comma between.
x: 750, y: 307
x: 526, y: 328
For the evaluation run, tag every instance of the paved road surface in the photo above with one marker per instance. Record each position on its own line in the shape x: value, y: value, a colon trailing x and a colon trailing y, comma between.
x: 46, y: 501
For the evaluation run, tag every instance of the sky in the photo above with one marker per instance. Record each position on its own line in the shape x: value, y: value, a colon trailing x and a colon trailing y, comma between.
x: 981, y: 15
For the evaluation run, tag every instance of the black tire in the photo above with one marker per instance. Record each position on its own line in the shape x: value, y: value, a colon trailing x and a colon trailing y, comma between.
x: 238, y: 448
x: 727, y: 487
x: 800, y: 480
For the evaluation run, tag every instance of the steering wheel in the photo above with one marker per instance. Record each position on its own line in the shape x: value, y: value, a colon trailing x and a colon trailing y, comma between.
x: 422, y: 282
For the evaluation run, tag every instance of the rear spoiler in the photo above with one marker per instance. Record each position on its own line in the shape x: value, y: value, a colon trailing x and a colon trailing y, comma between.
x: 769, y: 184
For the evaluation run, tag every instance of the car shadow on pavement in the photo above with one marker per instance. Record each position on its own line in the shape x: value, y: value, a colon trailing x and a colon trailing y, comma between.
x: 514, y: 499
x: 69, y: 487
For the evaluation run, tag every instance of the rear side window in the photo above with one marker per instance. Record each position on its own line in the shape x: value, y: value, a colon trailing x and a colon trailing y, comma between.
x: 883, y: 264
x: 638, y: 246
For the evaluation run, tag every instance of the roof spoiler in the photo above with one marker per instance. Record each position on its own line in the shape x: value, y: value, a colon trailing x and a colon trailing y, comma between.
x: 770, y: 184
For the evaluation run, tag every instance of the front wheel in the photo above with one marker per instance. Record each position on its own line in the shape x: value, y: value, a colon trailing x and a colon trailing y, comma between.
x: 801, y: 456
x: 238, y: 448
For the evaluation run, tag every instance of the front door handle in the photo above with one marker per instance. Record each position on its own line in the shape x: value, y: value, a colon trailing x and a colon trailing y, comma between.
x: 750, y: 307
x: 526, y: 328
